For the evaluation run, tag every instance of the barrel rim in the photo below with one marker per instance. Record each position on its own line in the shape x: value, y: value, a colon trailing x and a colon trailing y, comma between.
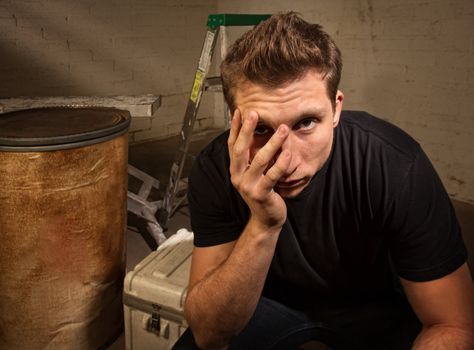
x: 66, y: 141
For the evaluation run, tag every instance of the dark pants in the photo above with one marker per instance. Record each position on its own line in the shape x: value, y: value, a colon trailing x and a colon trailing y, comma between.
x: 388, y: 323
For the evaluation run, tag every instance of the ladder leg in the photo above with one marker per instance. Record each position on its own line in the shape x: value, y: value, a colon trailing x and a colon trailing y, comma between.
x: 169, y: 199
x: 214, y: 23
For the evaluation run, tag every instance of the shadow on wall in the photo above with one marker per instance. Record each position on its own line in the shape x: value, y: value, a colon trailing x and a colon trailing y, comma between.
x: 100, y: 47
x: 24, y: 74
x: 61, y: 49
x: 36, y: 62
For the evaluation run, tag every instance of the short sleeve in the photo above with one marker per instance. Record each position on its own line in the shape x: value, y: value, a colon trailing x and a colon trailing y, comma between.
x: 425, y: 237
x: 216, y: 211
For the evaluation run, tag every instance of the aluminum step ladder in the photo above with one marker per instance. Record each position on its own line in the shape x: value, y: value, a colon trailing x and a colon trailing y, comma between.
x: 175, y: 193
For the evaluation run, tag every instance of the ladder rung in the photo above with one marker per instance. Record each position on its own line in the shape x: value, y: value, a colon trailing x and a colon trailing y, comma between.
x: 213, y: 84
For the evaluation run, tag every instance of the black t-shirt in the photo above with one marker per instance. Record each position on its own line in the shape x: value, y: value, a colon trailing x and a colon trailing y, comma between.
x: 376, y: 209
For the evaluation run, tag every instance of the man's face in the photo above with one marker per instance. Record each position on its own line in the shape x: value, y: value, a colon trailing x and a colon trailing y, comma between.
x: 305, y: 108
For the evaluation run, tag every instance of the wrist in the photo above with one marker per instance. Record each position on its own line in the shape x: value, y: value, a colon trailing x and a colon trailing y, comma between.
x: 265, y: 230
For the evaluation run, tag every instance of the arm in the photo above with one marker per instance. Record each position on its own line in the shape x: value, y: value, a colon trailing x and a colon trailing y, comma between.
x: 226, y: 281
x: 446, y: 309
x: 224, y: 291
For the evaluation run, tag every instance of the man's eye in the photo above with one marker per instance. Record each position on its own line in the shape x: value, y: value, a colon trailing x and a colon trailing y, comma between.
x: 261, y: 130
x: 307, y: 124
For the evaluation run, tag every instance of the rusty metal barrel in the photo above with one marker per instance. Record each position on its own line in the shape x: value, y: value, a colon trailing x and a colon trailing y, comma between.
x: 63, y: 194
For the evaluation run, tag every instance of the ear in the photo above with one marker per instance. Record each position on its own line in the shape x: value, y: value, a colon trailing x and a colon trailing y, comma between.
x: 338, y: 109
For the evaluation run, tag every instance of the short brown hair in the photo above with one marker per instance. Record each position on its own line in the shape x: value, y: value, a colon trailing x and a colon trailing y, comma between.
x: 279, y: 50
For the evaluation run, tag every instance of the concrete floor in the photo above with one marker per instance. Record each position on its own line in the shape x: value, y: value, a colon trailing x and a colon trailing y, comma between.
x: 155, y: 158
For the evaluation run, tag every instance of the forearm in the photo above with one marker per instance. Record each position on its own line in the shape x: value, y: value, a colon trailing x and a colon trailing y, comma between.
x: 219, y: 306
x: 442, y: 337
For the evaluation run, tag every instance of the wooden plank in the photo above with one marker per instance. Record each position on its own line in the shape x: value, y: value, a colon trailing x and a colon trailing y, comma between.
x: 138, y: 106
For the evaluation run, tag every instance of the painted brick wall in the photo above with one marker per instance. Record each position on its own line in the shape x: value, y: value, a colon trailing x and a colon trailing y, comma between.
x: 408, y: 61
x: 103, y: 48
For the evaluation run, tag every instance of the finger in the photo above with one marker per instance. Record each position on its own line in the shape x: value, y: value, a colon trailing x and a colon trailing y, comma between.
x: 234, y: 129
x: 276, y: 171
x: 241, y: 148
x: 267, y: 153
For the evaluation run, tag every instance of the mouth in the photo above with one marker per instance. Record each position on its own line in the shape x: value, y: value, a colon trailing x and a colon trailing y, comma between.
x: 289, y: 184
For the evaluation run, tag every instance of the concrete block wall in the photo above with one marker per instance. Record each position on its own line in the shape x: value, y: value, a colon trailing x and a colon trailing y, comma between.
x: 410, y: 62
x: 104, y: 48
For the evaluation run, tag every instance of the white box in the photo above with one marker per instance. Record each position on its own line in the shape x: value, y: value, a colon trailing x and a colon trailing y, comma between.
x: 154, y: 295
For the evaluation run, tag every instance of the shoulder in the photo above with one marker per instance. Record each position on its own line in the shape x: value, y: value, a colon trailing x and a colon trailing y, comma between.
x: 209, y: 179
x: 213, y: 160
x: 218, y: 213
x: 374, y: 158
x: 362, y: 128
x: 216, y: 149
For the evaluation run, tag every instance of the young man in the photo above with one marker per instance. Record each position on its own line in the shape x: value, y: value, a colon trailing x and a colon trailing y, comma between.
x: 311, y: 222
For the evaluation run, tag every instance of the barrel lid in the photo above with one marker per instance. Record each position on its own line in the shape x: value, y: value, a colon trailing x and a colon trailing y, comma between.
x: 56, y: 126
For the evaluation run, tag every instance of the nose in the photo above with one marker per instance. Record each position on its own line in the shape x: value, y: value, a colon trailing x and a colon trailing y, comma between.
x: 290, y: 145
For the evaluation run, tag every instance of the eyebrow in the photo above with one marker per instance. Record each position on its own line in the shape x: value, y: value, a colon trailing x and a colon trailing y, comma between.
x: 317, y: 113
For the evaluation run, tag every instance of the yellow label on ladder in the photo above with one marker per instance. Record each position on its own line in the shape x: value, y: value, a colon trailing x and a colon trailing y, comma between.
x: 197, y: 85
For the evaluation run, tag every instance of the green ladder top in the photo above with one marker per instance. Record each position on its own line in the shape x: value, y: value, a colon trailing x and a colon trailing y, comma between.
x: 227, y: 19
